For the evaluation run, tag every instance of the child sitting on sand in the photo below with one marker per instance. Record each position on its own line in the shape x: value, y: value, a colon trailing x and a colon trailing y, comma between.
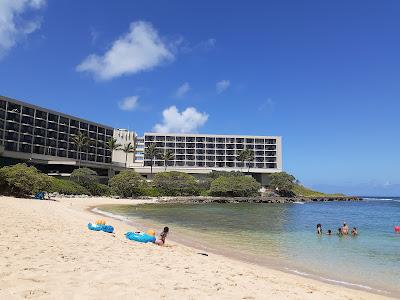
x: 161, y: 239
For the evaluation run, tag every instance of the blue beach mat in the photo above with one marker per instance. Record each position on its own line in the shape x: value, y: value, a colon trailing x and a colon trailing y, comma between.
x: 140, y: 237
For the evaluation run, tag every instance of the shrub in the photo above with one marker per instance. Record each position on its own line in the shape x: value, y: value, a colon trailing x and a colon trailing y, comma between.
x: 67, y: 187
x: 234, y: 186
x: 151, y: 192
x: 98, y: 189
x: 84, y: 176
x: 176, y: 184
x: 215, y: 174
x: 20, y: 180
x: 128, y: 184
x: 283, y: 183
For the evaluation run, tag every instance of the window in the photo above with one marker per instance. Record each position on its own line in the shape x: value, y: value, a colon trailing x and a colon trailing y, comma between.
x: 53, y: 118
x: 41, y: 114
x: 28, y: 111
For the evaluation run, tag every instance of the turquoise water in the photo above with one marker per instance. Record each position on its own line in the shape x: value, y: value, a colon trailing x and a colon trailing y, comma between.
x: 284, y: 235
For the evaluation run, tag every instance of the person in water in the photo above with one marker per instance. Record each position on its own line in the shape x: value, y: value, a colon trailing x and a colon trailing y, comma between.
x: 339, y: 231
x: 354, y: 231
x: 161, y: 239
x: 345, y: 229
x: 319, y: 229
x: 329, y: 232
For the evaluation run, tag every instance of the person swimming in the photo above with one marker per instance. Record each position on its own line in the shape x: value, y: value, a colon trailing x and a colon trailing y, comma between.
x: 319, y: 229
x: 329, y: 232
x: 354, y: 231
x: 339, y: 231
x: 161, y: 239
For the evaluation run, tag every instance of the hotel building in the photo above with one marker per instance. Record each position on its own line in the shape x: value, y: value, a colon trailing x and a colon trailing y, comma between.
x: 45, y: 138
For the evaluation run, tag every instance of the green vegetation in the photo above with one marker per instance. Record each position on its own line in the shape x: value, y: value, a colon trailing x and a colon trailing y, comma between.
x: 234, y: 186
x: 20, y: 180
x: 151, y: 153
x: 246, y: 155
x: 282, y: 183
x: 81, y: 141
x: 128, y: 184
x: 89, y: 179
x: 176, y: 184
x: 302, y: 191
x: 67, y: 187
x: 166, y: 157
x: 128, y: 148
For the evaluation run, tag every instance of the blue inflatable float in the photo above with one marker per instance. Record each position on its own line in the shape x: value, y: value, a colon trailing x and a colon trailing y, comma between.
x: 140, y: 237
x: 99, y: 227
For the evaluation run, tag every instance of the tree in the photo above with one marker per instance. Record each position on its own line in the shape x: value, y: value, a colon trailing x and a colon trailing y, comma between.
x: 112, y: 145
x: 282, y: 183
x: 84, y: 176
x: 234, y: 186
x: 249, y: 158
x: 242, y: 157
x: 81, y: 141
x: 151, y: 153
x: 127, y: 149
x: 20, y: 180
x: 128, y: 183
x: 166, y: 157
x: 176, y: 184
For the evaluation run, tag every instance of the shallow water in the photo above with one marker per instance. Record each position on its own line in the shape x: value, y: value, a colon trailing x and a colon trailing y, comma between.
x: 284, y: 235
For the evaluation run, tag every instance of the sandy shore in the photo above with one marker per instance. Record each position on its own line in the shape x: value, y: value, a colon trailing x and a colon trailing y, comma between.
x: 46, y: 251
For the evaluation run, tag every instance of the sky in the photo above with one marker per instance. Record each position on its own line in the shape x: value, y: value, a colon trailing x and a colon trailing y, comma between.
x: 323, y: 75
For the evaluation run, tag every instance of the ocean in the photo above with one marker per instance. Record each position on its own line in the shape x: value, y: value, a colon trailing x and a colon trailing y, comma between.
x: 283, y: 236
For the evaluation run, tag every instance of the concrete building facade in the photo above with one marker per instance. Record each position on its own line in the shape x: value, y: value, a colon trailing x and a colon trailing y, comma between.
x: 45, y: 137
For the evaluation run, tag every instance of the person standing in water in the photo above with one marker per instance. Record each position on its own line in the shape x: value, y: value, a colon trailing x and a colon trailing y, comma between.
x: 354, y: 232
x: 345, y: 229
x: 161, y: 239
x: 319, y: 229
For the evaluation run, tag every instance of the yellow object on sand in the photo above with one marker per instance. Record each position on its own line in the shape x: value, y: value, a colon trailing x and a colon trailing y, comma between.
x: 151, y: 232
x: 101, y: 222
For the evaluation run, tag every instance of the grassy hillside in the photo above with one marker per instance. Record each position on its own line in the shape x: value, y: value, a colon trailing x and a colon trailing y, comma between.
x: 302, y: 191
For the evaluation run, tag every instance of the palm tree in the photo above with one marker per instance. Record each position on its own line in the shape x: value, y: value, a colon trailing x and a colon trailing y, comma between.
x: 150, y: 153
x: 127, y: 148
x: 113, y: 145
x: 249, y: 158
x: 81, y: 141
x: 242, y: 157
x: 166, y: 157
x: 135, y: 144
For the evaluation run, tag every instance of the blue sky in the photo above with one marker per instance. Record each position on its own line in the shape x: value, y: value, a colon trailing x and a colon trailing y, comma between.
x: 324, y: 75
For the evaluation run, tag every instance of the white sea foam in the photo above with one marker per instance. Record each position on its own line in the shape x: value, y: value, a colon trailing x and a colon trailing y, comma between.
x: 340, y: 282
x: 378, y: 199
x: 111, y: 215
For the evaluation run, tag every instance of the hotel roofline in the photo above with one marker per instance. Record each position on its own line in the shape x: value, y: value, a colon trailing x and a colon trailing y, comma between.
x: 213, y: 135
x: 23, y: 103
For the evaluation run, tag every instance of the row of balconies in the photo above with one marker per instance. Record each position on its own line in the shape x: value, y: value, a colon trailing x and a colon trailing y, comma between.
x: 28, y: 116
x: 39, y: 149
x: 217, y: 158
x: 208, y: 139
x: 214, y: 164
x: 214, y: 146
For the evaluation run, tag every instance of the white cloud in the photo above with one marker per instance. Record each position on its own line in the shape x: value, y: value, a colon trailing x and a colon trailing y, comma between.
x: 222, y: 85
x: 186, y: 121
x: 266, y: 105
x: 139, y: 50
x: 129, y: 103
x: 182, y: 90
x: 13, y: 27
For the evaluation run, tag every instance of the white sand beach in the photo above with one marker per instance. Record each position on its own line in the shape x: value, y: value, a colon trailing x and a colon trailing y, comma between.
x: 47, y: 252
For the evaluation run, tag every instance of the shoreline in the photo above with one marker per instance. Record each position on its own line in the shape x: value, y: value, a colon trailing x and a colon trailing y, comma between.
x: 274, y: 264
x: 56, y: 256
